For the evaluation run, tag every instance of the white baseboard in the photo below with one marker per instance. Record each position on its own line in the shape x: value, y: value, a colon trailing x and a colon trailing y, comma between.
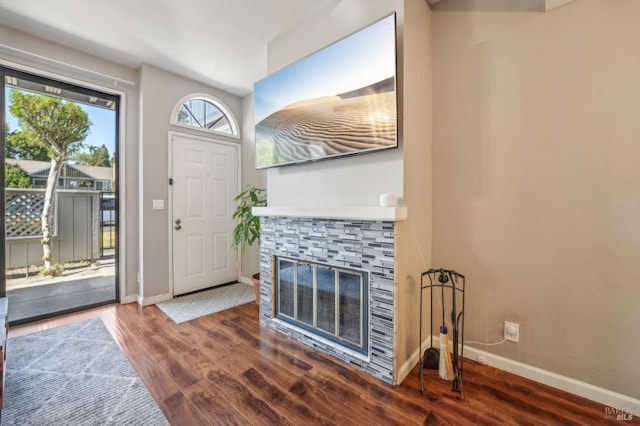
x: 245, y: 280
x: 408, y: 365
x: 129, y: 299
x: 567, y: 384
x: 146, y: 301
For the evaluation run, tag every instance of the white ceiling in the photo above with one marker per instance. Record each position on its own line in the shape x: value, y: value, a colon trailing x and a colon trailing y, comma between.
x: 222, y: 43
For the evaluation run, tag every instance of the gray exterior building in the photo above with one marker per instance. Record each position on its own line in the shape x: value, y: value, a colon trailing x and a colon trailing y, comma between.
x: 72, y: 176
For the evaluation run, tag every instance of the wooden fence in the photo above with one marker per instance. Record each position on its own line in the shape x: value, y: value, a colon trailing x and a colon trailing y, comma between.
x: 77, y: 226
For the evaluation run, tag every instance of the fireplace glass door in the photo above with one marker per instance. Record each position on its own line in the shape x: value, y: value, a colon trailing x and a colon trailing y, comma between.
x: 330, y: 301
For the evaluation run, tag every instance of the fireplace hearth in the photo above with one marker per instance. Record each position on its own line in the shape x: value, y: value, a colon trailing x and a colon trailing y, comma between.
x: 327, y: 267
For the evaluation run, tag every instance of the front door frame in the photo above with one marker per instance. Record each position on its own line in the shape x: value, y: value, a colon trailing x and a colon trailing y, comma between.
x: 206, y: 139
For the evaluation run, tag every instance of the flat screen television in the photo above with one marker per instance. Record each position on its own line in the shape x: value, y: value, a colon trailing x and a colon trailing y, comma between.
x: 338, y: 101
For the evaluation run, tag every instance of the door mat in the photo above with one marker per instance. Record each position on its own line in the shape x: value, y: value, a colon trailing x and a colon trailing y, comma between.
x: 196, y: 305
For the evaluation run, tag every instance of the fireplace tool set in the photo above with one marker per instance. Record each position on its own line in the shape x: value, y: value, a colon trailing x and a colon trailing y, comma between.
x: 446, y: 287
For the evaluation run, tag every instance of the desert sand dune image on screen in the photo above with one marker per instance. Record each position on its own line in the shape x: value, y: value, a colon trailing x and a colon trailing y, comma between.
x: 348, y: 123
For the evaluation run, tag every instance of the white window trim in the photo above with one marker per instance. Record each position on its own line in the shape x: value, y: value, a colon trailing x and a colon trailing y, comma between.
x: 235, y: 129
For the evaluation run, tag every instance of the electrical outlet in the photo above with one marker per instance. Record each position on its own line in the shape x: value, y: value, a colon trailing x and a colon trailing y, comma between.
x: 512, y: 331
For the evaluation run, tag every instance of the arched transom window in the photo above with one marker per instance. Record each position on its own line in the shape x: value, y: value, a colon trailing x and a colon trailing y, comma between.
x: 205, y: 113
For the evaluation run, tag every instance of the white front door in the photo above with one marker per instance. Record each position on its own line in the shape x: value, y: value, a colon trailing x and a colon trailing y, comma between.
x: 205, y: 181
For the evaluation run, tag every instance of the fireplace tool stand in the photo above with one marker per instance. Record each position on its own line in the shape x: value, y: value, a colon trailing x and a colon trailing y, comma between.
x: 446, y: 287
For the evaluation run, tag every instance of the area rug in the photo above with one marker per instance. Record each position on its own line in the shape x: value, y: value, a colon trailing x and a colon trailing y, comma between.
x: 74, y: 375
x: 195, y: 305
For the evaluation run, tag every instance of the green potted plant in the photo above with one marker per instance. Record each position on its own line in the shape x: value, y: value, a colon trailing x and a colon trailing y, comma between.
x: 247, y: 229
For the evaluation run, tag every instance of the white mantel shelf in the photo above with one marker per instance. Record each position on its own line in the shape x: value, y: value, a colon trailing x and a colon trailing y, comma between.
x: 394, y: 214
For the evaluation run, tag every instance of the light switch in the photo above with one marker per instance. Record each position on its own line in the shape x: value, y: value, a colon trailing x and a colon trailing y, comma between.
x: 158, y: 204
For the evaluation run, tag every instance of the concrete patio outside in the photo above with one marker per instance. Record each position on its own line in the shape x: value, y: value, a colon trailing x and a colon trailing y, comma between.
x: 36, y: 296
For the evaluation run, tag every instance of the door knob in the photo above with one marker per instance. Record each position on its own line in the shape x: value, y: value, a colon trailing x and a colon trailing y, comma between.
x: 178, y: 226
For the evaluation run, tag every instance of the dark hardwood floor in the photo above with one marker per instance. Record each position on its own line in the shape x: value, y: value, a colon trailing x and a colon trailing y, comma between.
x: 226, y: 369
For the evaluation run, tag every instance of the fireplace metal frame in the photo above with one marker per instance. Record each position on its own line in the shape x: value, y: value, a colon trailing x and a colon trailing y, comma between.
x: 363, y: 276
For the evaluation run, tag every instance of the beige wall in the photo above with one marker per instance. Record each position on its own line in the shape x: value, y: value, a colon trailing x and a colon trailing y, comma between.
x: 249, y: 262
x: 415, y: 234
x: 160, y: 91
x: 22, y: 51
x: 537, y: 185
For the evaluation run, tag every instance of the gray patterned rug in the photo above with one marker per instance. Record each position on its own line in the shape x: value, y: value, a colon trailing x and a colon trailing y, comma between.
x: 195, y: 305
x: 74, y: 375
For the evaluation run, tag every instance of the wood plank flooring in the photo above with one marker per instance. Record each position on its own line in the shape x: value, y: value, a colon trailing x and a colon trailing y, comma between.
x: 226, y: 369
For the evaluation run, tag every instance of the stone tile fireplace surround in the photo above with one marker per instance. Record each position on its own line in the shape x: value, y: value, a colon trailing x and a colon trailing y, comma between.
x: 355, y: 238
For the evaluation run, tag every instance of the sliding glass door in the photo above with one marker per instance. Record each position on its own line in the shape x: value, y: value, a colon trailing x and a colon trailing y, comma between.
x: 60, y: 196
